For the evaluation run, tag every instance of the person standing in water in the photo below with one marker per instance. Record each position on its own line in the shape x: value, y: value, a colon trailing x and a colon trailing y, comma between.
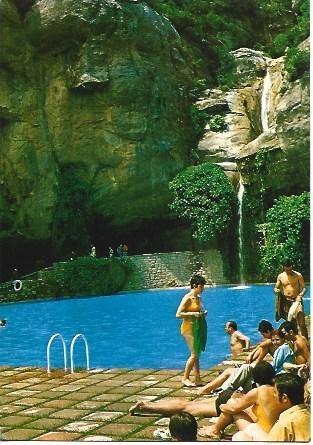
x: 193, y: 328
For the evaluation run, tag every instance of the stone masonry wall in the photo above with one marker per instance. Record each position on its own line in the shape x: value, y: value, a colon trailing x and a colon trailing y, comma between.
x: 157, y: 270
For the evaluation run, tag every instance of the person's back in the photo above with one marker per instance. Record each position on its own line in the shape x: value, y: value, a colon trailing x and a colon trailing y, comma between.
x: 267, y: 408
x: 301, y: 350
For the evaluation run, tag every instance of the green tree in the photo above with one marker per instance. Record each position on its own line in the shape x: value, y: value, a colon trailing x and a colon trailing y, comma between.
x: 204, y: 196
x: 286, y: 234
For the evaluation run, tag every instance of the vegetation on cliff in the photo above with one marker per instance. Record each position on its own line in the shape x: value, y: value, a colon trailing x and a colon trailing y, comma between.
x: 204, y: 196
x: 286, y: 234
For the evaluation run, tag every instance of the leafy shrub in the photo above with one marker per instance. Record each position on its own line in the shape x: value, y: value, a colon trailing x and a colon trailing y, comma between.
x: 204, y: 196
x: 286, y: 231
x: 217, y: 123
x: 297, y: 63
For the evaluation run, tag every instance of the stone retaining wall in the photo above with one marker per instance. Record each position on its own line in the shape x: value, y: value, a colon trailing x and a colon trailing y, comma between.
x: 157, y: 270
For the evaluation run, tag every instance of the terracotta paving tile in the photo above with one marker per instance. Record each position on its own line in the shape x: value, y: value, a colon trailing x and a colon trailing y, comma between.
x: 108, y: 397
x: 24, y: 393
x: 51, y: 394
x: 155, y: 391
x: 93, y: 389
x: 8, y: 399
x: 110, y: 383
x: 103, y: 376
x: 119, y: 406
x: 103, y: 416
x: 37, y: 412
x: 21, y: 434
x: 125, y: 390
x: 77, y: 396
x: 142, y: 383
x: 97, y: 439
x: 42, y: 387
x: 46, y: 424
x: 68, y: 388
x: 141, y: 420
x: 90, y: 405
x: 184, y: 392
x: 13, y: 420
x: 142, y: 371
x: 136, y: 397
x: 118, y: 429
x: 4, y: 391
x: 80, y: 427
x: 59, y: 404
x: 145, y: 433
x: 9, y: 409
x: 69, y: 413
x: 60, y: 436
x: 117, y: 370
x: 29, y: 401
x: 167, y: 372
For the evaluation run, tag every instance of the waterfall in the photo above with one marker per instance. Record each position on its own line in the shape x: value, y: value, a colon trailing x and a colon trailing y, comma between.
x: 267, y: 84
x: 241, y: 191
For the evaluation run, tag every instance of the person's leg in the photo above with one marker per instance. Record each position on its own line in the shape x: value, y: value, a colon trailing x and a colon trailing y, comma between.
x: 196, y: 368
x: 256, y: 433
x: 191, y: 361
x: 241, y: 436
x: 202, y: 408
x: 242, y: 377
x: 301, y: 324
x: 218, y: 381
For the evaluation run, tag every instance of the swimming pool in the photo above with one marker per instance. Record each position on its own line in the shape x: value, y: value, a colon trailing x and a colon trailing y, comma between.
x: 131, y: 330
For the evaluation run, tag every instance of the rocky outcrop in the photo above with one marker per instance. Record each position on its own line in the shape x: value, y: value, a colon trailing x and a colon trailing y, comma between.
x: 98, y: 85
x: 265, y: 112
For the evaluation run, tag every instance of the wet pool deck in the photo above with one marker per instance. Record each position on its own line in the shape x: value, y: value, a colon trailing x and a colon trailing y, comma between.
x: 88, y: 406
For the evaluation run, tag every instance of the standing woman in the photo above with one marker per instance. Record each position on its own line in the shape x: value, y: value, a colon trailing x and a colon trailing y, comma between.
x: 193, y: 328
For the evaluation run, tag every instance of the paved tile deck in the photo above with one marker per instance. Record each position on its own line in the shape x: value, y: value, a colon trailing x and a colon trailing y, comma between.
x: 86, y: 406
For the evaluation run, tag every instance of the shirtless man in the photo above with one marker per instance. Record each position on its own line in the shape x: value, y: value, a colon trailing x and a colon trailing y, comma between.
x: 238, y: 341
x: 234, y: 378
x: 299, y: 342
x: 290, y: 284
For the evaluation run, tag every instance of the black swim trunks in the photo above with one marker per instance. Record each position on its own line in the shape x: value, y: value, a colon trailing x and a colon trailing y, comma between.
x: 223, y: 397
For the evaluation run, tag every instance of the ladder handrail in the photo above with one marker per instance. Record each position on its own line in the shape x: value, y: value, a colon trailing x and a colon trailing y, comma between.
x: 48, y: 350
x: 72, y: 349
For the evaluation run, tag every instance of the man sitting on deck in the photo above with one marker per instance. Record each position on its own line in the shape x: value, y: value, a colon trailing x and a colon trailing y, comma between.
x: 238, y: 341
x: 256, y: 356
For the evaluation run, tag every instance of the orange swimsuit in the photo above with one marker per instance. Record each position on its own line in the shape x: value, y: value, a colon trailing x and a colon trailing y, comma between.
x: 194, y: 305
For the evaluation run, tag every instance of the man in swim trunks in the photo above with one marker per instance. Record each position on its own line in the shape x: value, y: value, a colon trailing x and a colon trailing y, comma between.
x: 290, y: 288
x: 238, y: 341
x: 298, y: 343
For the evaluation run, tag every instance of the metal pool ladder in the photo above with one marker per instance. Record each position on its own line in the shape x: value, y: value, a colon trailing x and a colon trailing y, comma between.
x: 72, y: 350
x: 48, y: 350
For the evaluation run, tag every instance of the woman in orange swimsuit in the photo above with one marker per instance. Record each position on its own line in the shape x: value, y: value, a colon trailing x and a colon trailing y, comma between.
x: 189, y: 309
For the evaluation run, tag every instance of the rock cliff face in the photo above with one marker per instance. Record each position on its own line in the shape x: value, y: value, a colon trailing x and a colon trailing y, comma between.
x: 97, y: 85
x: 265, y: 138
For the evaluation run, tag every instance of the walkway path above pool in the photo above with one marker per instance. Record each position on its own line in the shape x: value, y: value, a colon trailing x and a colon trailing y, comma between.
x: 87, y: 406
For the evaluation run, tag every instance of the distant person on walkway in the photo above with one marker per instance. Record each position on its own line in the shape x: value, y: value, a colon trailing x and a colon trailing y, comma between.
x: 238, y: 341
x: 93, y: 251
x: 183, y: 427
x: 111, y: 252
x: 193, y: 328
x: 119, y: 250
x: 125, y: 250
x: 289, y: 290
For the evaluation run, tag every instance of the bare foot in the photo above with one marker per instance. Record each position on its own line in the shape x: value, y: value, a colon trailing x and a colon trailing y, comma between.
x: 210, y: 432
x: 187, y: 382
x: 137, y: 407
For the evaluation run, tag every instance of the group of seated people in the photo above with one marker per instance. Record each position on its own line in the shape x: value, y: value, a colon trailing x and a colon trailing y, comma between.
x: 266, y: 401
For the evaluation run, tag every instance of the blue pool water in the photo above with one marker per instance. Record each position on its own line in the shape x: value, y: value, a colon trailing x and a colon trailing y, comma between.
x: 133, y: 330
